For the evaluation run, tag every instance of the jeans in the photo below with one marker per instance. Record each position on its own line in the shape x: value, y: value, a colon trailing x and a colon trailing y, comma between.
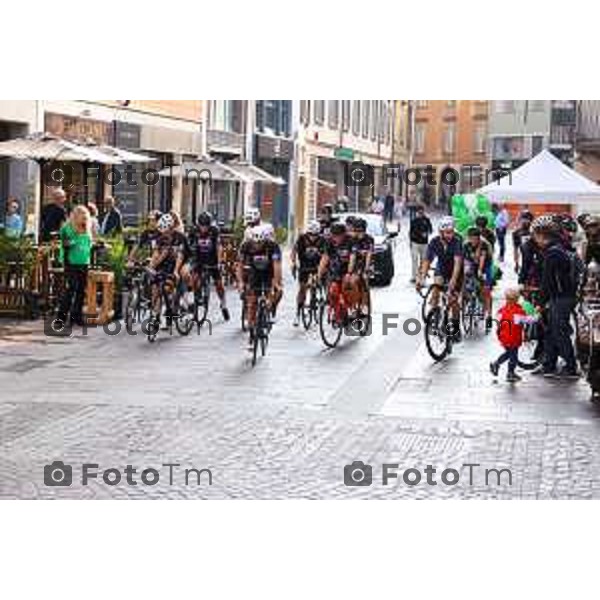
x: 71, y: 300
x: 512, y: 356
x: 417, y: 254
x: 501, y: 237
x: 558, y: 334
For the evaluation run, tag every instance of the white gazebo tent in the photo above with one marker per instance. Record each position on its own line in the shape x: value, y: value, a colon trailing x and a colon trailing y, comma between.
x: 544, y: 180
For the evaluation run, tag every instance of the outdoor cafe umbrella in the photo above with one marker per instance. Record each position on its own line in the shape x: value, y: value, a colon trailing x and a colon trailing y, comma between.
x: 45, y: 147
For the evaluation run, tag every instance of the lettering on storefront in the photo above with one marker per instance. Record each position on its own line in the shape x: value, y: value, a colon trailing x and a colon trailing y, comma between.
x: 77, y: 129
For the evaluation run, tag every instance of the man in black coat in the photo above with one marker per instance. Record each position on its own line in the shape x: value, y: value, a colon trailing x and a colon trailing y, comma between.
x: 112, y: 222
x: 53, y: 215
x: 559, y: 292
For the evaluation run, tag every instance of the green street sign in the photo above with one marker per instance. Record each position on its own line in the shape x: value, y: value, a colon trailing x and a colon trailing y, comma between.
x: 344, y: 153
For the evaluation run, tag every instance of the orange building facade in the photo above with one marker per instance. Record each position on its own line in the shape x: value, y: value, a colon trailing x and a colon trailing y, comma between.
x: 452, y: 137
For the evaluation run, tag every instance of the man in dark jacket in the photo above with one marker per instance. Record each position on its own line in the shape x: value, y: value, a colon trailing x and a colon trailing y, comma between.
x: 419, y: 232
x: 112, y: 222
x: 53, y: 215
x: 559, y: 291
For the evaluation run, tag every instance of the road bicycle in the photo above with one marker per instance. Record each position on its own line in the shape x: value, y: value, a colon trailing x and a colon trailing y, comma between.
x: 259, y: 334
x: 313, y: 301
x: 338, y: 313
x: 138, y: 297
x: 440, y: 329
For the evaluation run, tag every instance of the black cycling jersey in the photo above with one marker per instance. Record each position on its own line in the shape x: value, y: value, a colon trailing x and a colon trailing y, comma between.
x: 205, y: 246
x: 362, y: 247
x: 259, y: 258
x: 309, y: 249
x: 339, y: 256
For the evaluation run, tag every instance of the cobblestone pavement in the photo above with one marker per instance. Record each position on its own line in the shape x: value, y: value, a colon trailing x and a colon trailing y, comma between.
x: 286, y: 428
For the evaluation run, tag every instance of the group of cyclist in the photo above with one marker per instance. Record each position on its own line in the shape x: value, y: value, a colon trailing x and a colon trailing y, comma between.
x: 332, y: 250
x: 549, y: 265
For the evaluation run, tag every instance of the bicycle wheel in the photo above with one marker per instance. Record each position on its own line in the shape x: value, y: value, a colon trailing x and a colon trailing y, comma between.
x: 308, y: 309
x: 184, y: 315
x: 255, y: 348
x: 244, y: 317
x: 425, y: 306
x: 153, y: 324
x: 365, y: 316
x: 329, y: 328
x: 201, y: 301
x: 468, y: 314
x: 437, y: 339
x: 132, y: 310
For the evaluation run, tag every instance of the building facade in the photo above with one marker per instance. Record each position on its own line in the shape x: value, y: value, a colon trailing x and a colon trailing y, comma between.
x: 332, y: 136
x: 520, y: 129
x: 167, y: 130
x: 587, y: 141
x: 449, y: 147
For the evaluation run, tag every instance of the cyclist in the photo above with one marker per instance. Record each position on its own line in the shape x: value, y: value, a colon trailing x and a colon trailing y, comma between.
x: 206, y: 258
x: 521, y: 235
x: 360, y: 265
x: 305, y: 258
x: 326, y: 219
x: 446, y: 250
x: 335, y: 263
x: 147, y: 240
x: 478, y: 261
x: 259, y: 271
x: 166, y: 261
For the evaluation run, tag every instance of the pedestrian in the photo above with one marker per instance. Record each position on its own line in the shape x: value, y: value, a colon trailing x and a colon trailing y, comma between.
x: 94, y: 225
x: 13, y: 225
x: 510, y: 334
x: 388, y: 207
x: 112, y: 222
x: 76, y: 250
x: 419, y: 232
x: 54, y: 215
x: 501, y: 224
x: 559, y: 286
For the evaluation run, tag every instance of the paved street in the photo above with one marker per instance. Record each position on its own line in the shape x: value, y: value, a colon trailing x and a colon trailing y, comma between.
x: 286, y: 428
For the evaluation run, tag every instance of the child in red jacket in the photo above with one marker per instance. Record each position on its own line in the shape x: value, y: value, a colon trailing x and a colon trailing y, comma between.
x: 510, y: 334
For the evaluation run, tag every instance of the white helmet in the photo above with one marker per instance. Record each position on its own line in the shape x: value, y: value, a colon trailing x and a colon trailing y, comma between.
x: 446, y: 224
x: 268, y: 233
x: 313, y: 227
x: 165, y: 223
x: 255, y: 234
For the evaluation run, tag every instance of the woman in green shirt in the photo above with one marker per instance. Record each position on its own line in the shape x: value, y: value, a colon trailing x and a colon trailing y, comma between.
x: 76, y: 251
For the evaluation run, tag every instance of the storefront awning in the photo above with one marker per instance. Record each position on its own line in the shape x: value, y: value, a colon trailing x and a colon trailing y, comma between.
x: 207, y: 170
x: 252, y: 174
x: 218, y: 171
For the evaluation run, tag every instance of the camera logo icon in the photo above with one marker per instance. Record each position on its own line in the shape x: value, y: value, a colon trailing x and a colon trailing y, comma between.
x: 57, y: 174
x: 57, y: 474
x: 359, y: 174
x: 358, y: 474
x: 55, y: 327
x: 359, y: 327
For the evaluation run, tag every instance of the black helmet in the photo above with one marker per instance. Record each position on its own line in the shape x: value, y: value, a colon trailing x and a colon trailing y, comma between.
x: 327, y: 209
x: 338, y: 229
x: 481, y: 221
x: 351, y: 220
x: 526, y: 215
x: 359, y: 224
x: 473, y: 232
x: 567, y: 223
x: 204, y: 219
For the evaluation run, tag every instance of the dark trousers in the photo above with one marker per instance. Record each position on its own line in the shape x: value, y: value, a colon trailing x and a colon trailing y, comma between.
x: 512, y: 356
x: 557, y: 340
x: 501, y: 237
x: 71, y: 300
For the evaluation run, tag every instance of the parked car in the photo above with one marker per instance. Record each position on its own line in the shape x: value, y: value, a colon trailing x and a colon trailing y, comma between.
x: 383, y: 256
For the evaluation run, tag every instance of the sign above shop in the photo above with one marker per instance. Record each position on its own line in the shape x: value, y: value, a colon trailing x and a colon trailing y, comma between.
x: 342, y: 153
x: 77, y: 129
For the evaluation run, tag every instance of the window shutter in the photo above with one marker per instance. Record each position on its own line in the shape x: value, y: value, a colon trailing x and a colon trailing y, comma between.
x: 277, y: 107
x: 285, y: 117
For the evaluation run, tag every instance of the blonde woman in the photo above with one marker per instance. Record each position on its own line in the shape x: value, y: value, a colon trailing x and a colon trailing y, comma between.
x: 76, y: 251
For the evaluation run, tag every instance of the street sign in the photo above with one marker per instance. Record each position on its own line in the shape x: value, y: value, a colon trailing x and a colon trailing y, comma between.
x: 344, y: 153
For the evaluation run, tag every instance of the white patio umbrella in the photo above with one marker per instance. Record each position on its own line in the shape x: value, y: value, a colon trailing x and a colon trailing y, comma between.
x: 45, y: 147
